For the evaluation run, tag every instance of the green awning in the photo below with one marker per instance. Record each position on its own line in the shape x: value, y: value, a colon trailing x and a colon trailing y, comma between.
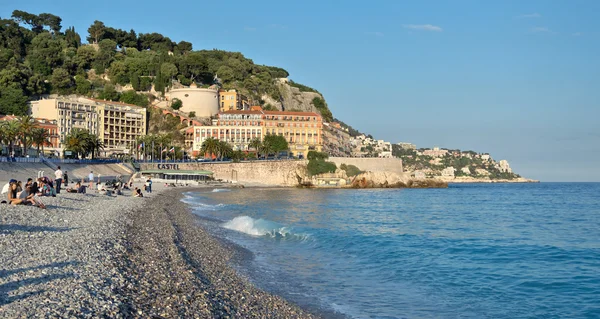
x: 176, y: 172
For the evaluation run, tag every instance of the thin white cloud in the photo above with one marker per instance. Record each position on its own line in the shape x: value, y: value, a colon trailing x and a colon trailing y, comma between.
x: 529, y: 16
x: 539, y: 30
x: 249, y: 29
x: 423, y: 27
x: 376, y: 34
x: 278, y: 26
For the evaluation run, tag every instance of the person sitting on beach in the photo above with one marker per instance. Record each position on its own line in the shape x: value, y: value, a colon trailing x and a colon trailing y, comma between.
x: 138, y: 193
x: 13, y: 199
x: 7, y: 186
x: 46, y: 189
x: 29, y: 197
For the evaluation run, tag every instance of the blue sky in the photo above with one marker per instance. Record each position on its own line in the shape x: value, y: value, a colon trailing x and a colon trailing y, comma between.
x: 517, y: 79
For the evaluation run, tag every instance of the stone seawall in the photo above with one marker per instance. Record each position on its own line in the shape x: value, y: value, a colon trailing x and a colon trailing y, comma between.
x: 393, y: 165
x: 268, y: 173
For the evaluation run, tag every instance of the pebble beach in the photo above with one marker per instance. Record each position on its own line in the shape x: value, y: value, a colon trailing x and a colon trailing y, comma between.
x: 91, y: 255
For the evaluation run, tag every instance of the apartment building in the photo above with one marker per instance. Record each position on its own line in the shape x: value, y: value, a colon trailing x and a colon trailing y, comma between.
x: 231, y: 100
x: 302, y: 130
x: 120, y: 124
x: 235, y: 127
x: 117, y: 124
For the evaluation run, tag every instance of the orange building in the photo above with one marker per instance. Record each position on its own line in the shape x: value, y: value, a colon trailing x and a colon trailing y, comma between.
x: 231, y: 100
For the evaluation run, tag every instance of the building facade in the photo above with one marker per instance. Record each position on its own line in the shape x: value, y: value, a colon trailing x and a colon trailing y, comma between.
x: 120, y: 125
x: 302, y: 130
x: 117, y: 124
x: 231, y: 100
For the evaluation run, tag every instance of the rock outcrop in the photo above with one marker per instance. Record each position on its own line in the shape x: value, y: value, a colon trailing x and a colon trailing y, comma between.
x: 393, y: 180
x: 292, y: 98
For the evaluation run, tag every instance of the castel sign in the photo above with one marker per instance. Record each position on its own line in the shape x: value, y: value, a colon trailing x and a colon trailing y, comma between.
x: 167, y: 166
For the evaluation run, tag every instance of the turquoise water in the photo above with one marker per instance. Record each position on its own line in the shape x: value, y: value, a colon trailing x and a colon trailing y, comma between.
x: 469, y: 251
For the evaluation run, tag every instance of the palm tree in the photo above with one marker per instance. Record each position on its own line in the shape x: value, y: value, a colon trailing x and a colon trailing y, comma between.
x: 210, y: 146
x: 77, y: 141
x: 266, y: 148
x: 39, y: 137
x: 94, y: 145
x: 254, y: 144
x: 224, y: 149
x: 10, y: 134
x: 26, y: 125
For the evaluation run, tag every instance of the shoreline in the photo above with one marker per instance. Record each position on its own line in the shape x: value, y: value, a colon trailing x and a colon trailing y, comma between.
x: 124, y: 257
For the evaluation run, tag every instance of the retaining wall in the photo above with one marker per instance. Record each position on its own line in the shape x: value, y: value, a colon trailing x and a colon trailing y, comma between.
x: 393, y: 165
x: 267, y: 173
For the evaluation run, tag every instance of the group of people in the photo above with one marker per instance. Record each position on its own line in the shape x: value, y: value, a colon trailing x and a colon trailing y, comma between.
x: 32, y: 191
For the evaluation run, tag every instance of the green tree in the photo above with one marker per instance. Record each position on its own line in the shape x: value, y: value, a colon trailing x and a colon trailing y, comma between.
x: 135, y: 81
x: 12, y: 101
x: 82, y: 86
x: 192, y: 114
x: 255, y: 144
x: 85, y: 56
x: 226, y: 74
x: 40, y: 138
x: 237, y: 156
x: 10, y: 133
x: 72, y: 38
x: 321, y: 106
x: 105, y: 55
x: 176, y: 104
x: 132, y: 97
x: 61, y: 81
x: 278, y: 143
x: 45, y: 53
x: 96, y: 31
x: 168, y: 70
x: 26, y: 125
x: 109, y: 93
x: 210, y: 147
x: 118, y: 73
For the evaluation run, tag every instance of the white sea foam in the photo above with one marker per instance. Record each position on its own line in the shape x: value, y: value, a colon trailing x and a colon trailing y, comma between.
x: 262, y: 227
x: 219, y: 190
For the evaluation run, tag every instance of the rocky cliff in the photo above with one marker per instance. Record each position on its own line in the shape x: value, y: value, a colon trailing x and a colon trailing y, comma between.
x: 295, y: 99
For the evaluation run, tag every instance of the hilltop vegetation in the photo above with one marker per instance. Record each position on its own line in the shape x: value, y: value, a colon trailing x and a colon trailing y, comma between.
x: 38, y: 57
x: 432, y: 166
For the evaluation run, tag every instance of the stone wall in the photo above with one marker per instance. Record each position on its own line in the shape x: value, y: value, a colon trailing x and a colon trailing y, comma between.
x: 393, y: 165
x: 269, y: 173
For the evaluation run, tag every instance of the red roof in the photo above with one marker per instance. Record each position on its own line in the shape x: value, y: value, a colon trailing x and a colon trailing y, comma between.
x: 272, y: 113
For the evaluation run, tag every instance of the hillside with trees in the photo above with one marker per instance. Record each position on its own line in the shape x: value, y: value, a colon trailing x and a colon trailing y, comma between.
x: 38, y: 56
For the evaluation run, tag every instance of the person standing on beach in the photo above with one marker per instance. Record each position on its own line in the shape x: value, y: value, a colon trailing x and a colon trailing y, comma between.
x: 91, y: 179
x: 58, y: 177
x: 66, y: 178
x: 149, y: 185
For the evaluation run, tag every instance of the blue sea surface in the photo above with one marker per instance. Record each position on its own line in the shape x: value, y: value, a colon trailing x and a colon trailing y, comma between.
x: 469, y: 251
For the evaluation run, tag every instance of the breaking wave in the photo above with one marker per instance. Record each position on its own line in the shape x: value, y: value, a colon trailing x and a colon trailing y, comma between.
x: 262, y: 227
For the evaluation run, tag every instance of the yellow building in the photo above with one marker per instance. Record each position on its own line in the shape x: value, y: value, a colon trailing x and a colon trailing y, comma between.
x: 117, y: 124
x: 231, y: 100
x: 302, y: 130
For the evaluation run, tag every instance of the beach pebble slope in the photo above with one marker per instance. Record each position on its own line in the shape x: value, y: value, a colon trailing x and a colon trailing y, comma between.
x: 90, y: 256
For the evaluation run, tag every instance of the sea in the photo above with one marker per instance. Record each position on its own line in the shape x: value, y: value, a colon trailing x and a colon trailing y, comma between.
x: 468, y: 251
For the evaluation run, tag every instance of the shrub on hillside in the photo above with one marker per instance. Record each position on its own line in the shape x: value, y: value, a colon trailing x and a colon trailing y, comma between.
x: 351, y: 170
x: 319, y: 166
